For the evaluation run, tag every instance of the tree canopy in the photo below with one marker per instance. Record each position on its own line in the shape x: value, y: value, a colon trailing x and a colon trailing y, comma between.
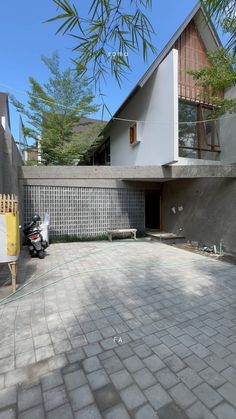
x: 53, y: 111
x: 223, y: 12
x: 222, y: 74
x: 107, y: 34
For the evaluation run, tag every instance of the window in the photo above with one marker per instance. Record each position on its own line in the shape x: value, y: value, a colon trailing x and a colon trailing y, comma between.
x: 133, y: 134
x: 198, y: 138
x: 136, y: 133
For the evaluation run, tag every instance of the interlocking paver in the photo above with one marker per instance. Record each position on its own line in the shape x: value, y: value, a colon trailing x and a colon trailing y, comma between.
x: 106, y: 397
x: 8, y: 414
x: 182, y: 395
x: 177, y: 357
x: 157, y: 396
x: 92, y: 349
x: 175, y: 363
x: 29, y: 398
x: 62, y: 412
x: 121, y: 379
x: 163, y: 351
x: 81, y: 397
x: 91, y: 364
x: 8, y: 397
x: 132, y: 397
x: 133, y: 364
x: 112, y: 364
x: 34, y: 413
x: 213, y: 378
x: 154, y: 363
x: 198, y: 410
x: 146, y: 412
x: 98, y: 379
x: 142, y: 351
x: 171, y: 410
x: 75, y: 379
x: 144, y: 378
x: 225, y: 411
x: 207, y: 395
x: 55, y: 397
x: 167, y: 378
x: 189, y: 377
x: 51, y: 380
x: 117, y: 412
x: 89, y: 412
x: 228, y: 391
x: 195, y: 363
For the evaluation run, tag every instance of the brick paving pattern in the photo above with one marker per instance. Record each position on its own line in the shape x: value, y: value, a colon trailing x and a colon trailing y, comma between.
x: 137, y: 329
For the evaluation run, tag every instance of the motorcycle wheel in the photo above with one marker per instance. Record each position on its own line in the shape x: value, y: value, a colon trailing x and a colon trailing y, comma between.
x: 41, y: 254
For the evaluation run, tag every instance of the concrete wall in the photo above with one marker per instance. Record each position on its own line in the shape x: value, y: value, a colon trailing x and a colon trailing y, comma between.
x: 10, y: 162
x: 89, y: 200
x: 156, y: 104
x: 228, y: 132
x: 209, y: 210
x: 84, y: 201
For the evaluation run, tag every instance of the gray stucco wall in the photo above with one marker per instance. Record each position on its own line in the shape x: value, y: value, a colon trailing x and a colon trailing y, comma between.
x: 228, y: 132
x: 10, y: 162
x: 209, y: 210
x: 89, y: 200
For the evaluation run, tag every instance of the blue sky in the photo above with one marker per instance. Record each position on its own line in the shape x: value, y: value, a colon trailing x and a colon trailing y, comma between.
x: 24, y: 37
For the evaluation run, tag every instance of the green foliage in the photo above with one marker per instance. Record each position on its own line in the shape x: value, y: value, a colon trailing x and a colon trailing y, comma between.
x: 105, y: 38
x: 54, y: 110
x: 224, y: 12
x: 220, y: 76
x: 31, y: 163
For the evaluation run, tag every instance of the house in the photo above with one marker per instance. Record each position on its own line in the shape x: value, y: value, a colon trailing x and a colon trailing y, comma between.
x: 159, y: 165
x: 160, y: 121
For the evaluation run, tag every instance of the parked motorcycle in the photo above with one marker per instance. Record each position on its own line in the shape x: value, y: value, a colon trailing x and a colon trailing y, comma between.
x: 34, y: 239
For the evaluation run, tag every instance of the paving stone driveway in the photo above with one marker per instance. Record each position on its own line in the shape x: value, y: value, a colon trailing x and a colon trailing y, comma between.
x: 135, y: 330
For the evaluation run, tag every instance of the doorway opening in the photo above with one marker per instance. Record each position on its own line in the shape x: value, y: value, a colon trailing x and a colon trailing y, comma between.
x: 153, y: 210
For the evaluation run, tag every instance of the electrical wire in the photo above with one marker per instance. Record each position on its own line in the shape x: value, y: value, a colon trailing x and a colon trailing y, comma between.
x: 122, y: 119
x: 179, y: 123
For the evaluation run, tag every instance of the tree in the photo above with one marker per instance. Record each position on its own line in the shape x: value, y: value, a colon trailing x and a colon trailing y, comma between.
x: 53, y: 111
x: 107, y: 35
x: 222, y: 74
x: 224, y: 12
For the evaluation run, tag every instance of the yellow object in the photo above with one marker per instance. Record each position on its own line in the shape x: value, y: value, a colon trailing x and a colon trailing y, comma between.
x: 13, y: 235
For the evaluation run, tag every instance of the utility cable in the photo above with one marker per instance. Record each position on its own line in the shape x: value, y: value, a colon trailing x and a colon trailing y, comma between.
x: 123, y: 119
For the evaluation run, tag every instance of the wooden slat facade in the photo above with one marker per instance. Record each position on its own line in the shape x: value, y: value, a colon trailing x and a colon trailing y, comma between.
x: 192, y: 55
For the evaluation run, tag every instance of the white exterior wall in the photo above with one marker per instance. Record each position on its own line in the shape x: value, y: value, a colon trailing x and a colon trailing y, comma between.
x: 156, y: 103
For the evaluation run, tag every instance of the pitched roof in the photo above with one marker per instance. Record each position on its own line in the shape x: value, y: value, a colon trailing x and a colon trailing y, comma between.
x: 199, y: 13
x: 210, y: 39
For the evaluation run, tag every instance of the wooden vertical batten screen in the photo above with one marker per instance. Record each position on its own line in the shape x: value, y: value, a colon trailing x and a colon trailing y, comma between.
x: 192, y: 55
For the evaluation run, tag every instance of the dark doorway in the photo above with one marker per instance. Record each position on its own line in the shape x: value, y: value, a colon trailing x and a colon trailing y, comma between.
x: 152, y: 210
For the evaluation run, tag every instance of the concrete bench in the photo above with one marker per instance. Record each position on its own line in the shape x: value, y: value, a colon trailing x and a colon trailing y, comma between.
x: 132, y: 231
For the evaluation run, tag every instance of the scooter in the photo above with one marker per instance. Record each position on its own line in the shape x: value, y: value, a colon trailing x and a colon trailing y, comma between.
x: 34, y: 238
